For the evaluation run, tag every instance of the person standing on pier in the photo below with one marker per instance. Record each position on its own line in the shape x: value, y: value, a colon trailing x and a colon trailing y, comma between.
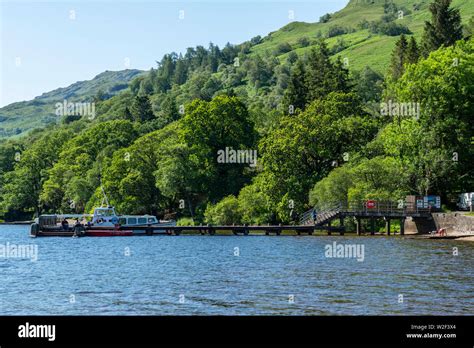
x: 315, y: 215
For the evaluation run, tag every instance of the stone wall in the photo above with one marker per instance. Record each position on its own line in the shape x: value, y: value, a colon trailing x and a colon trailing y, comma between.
x: 455, y: 223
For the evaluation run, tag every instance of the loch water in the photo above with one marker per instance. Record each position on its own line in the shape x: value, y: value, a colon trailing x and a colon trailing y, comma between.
x: 234, y: 275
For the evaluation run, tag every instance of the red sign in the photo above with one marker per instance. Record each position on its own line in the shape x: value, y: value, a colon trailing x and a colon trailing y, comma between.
x: 371, y: 204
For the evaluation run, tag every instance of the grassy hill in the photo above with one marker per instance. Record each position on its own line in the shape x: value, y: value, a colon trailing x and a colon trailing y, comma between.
x: 362, y: 47
x: 18, y: 118
x: 357, y: 45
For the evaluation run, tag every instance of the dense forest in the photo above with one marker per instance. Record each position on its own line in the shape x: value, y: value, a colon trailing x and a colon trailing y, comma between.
x: 322, y: 131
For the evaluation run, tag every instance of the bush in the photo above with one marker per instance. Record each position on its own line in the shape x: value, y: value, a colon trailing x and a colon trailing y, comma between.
x: 254, y: 205
x: 390, y: 29
x: 292, y: 57
x: 337, y: 30
x: 340, y: 45
x: 185, y: 221
x: 226, y: 212
x: 70, y: 118
x: 363, y: 24
x: 283, y: 48
x: 256, y: 40
x: 389, y: 17
x: 304, y: 41
x: 325, y: 18
x: 391, y: 11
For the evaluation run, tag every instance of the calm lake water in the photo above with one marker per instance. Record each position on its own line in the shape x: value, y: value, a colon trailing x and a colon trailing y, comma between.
x: 234, y: 275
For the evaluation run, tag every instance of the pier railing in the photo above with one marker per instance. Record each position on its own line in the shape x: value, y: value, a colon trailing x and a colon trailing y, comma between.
x: 384, y: 208
x: 320, y: 215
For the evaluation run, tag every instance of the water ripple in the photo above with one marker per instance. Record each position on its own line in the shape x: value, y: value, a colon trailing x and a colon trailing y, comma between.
x: 202, y: 275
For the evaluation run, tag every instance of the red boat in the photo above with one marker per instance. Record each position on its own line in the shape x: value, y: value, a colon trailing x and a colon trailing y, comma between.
x: 108, y: 233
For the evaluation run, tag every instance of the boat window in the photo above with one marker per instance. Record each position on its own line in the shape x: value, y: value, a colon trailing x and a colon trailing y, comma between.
x: 151, y: 220
x: 132, y: 221
x: 142, y: 220
x: 122, y: 221
x: 105, y: 212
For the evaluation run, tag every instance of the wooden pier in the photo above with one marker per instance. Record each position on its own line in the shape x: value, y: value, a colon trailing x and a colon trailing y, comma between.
x: 310, y: 222
x: 367, y: 210
x: 212, y: 230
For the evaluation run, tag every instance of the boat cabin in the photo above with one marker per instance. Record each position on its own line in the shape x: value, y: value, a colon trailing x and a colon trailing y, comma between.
x: 106, y: 216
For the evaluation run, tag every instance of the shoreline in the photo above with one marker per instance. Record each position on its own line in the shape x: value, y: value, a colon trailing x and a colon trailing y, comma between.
x: 409, y: 235
x: 466, y: 238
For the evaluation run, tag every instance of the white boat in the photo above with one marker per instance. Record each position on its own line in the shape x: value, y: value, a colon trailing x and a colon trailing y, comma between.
x: 106, y: 217
x: 103, y: 222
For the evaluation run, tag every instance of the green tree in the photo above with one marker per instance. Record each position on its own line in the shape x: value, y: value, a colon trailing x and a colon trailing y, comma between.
x: 399, y: 58
x: 169, y: 109
x: 75, y: 175
x: 181, y: 72
x: 369, y: 85
x: 127, y: 115
x: 444, y: 29
x: 131, y: 178
x: 254, y: 204
x: 444, y: 154
x: 304, y: 147
x: 323, y: 76
x: 296, y: 93
x: 22, y: 186
x: 141, y: 109
x: 413, y: 51
x: 210, y: 127
x: 226, y: 212
x: 259, y: 72
x: 469, y: 28
x: 380, y: 178
x: 333, y: 189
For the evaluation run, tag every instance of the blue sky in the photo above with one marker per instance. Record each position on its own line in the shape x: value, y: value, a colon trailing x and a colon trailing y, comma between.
x: 43, y: 45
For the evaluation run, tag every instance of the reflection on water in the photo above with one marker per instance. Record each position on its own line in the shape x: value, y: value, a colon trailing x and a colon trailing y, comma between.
x: 271, y: 275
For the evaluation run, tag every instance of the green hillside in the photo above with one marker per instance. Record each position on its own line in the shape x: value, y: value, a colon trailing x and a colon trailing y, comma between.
x: 362, y: 47
x: 18, y: 118
x: 358, y: 47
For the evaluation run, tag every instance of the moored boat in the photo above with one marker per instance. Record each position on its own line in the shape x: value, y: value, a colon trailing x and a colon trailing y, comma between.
x: 104, y: 222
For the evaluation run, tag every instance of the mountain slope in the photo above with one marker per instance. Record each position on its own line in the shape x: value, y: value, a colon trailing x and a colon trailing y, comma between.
x: 17, y: 118
x: 361, y: 47
x: 356, y: 44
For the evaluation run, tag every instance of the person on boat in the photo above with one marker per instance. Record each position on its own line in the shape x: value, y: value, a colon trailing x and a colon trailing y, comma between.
x: 65, y: 224
x: 77, y: 223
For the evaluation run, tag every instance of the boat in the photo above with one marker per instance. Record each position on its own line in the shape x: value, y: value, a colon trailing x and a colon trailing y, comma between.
x: 105, y: 218
x: 104, y: 222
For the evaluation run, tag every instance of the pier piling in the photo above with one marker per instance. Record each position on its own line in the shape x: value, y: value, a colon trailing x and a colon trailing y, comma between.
x: 387, y: 225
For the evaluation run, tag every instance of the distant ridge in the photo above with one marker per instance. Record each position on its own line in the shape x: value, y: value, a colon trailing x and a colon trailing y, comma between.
x: 20, y: 117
